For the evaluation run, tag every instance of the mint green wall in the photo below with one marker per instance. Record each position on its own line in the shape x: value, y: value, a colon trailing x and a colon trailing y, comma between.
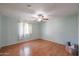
x: 10, y: 30
x: 36, y: 30
x: 61, y: 30
x: 78, y: 28
x: 56, y: 29
x: 0, y: 31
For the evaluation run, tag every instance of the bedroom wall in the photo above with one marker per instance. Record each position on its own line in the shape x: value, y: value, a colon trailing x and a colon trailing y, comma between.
x: 61, y: 29
x: 10, y: 31
x: 57, y: 29
x: 0, y: 31
x: 78, y: 28
x: 36, y: 30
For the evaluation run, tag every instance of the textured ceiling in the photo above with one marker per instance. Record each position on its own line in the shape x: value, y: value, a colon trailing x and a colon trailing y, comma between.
x: 49, y: 9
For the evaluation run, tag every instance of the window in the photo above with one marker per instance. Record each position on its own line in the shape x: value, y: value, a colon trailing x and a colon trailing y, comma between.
x: 24, y: 29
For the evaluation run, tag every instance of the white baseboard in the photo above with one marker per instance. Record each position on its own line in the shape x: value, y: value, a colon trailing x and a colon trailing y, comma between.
x: 28, y: 40
x: 16, y: 42
x: 53, y: 41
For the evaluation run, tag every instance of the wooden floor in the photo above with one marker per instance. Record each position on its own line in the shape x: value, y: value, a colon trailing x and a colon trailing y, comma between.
x: 36, y: 47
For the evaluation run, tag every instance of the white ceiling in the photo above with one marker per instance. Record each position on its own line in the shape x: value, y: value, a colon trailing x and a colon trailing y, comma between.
x: 50, y: 9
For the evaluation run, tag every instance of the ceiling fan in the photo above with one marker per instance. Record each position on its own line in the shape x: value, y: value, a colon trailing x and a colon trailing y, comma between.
x: 39, y: 16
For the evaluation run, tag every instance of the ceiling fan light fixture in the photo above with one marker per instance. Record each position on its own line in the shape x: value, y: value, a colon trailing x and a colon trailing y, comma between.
x: 42, y: 17
x: 39, y: 19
